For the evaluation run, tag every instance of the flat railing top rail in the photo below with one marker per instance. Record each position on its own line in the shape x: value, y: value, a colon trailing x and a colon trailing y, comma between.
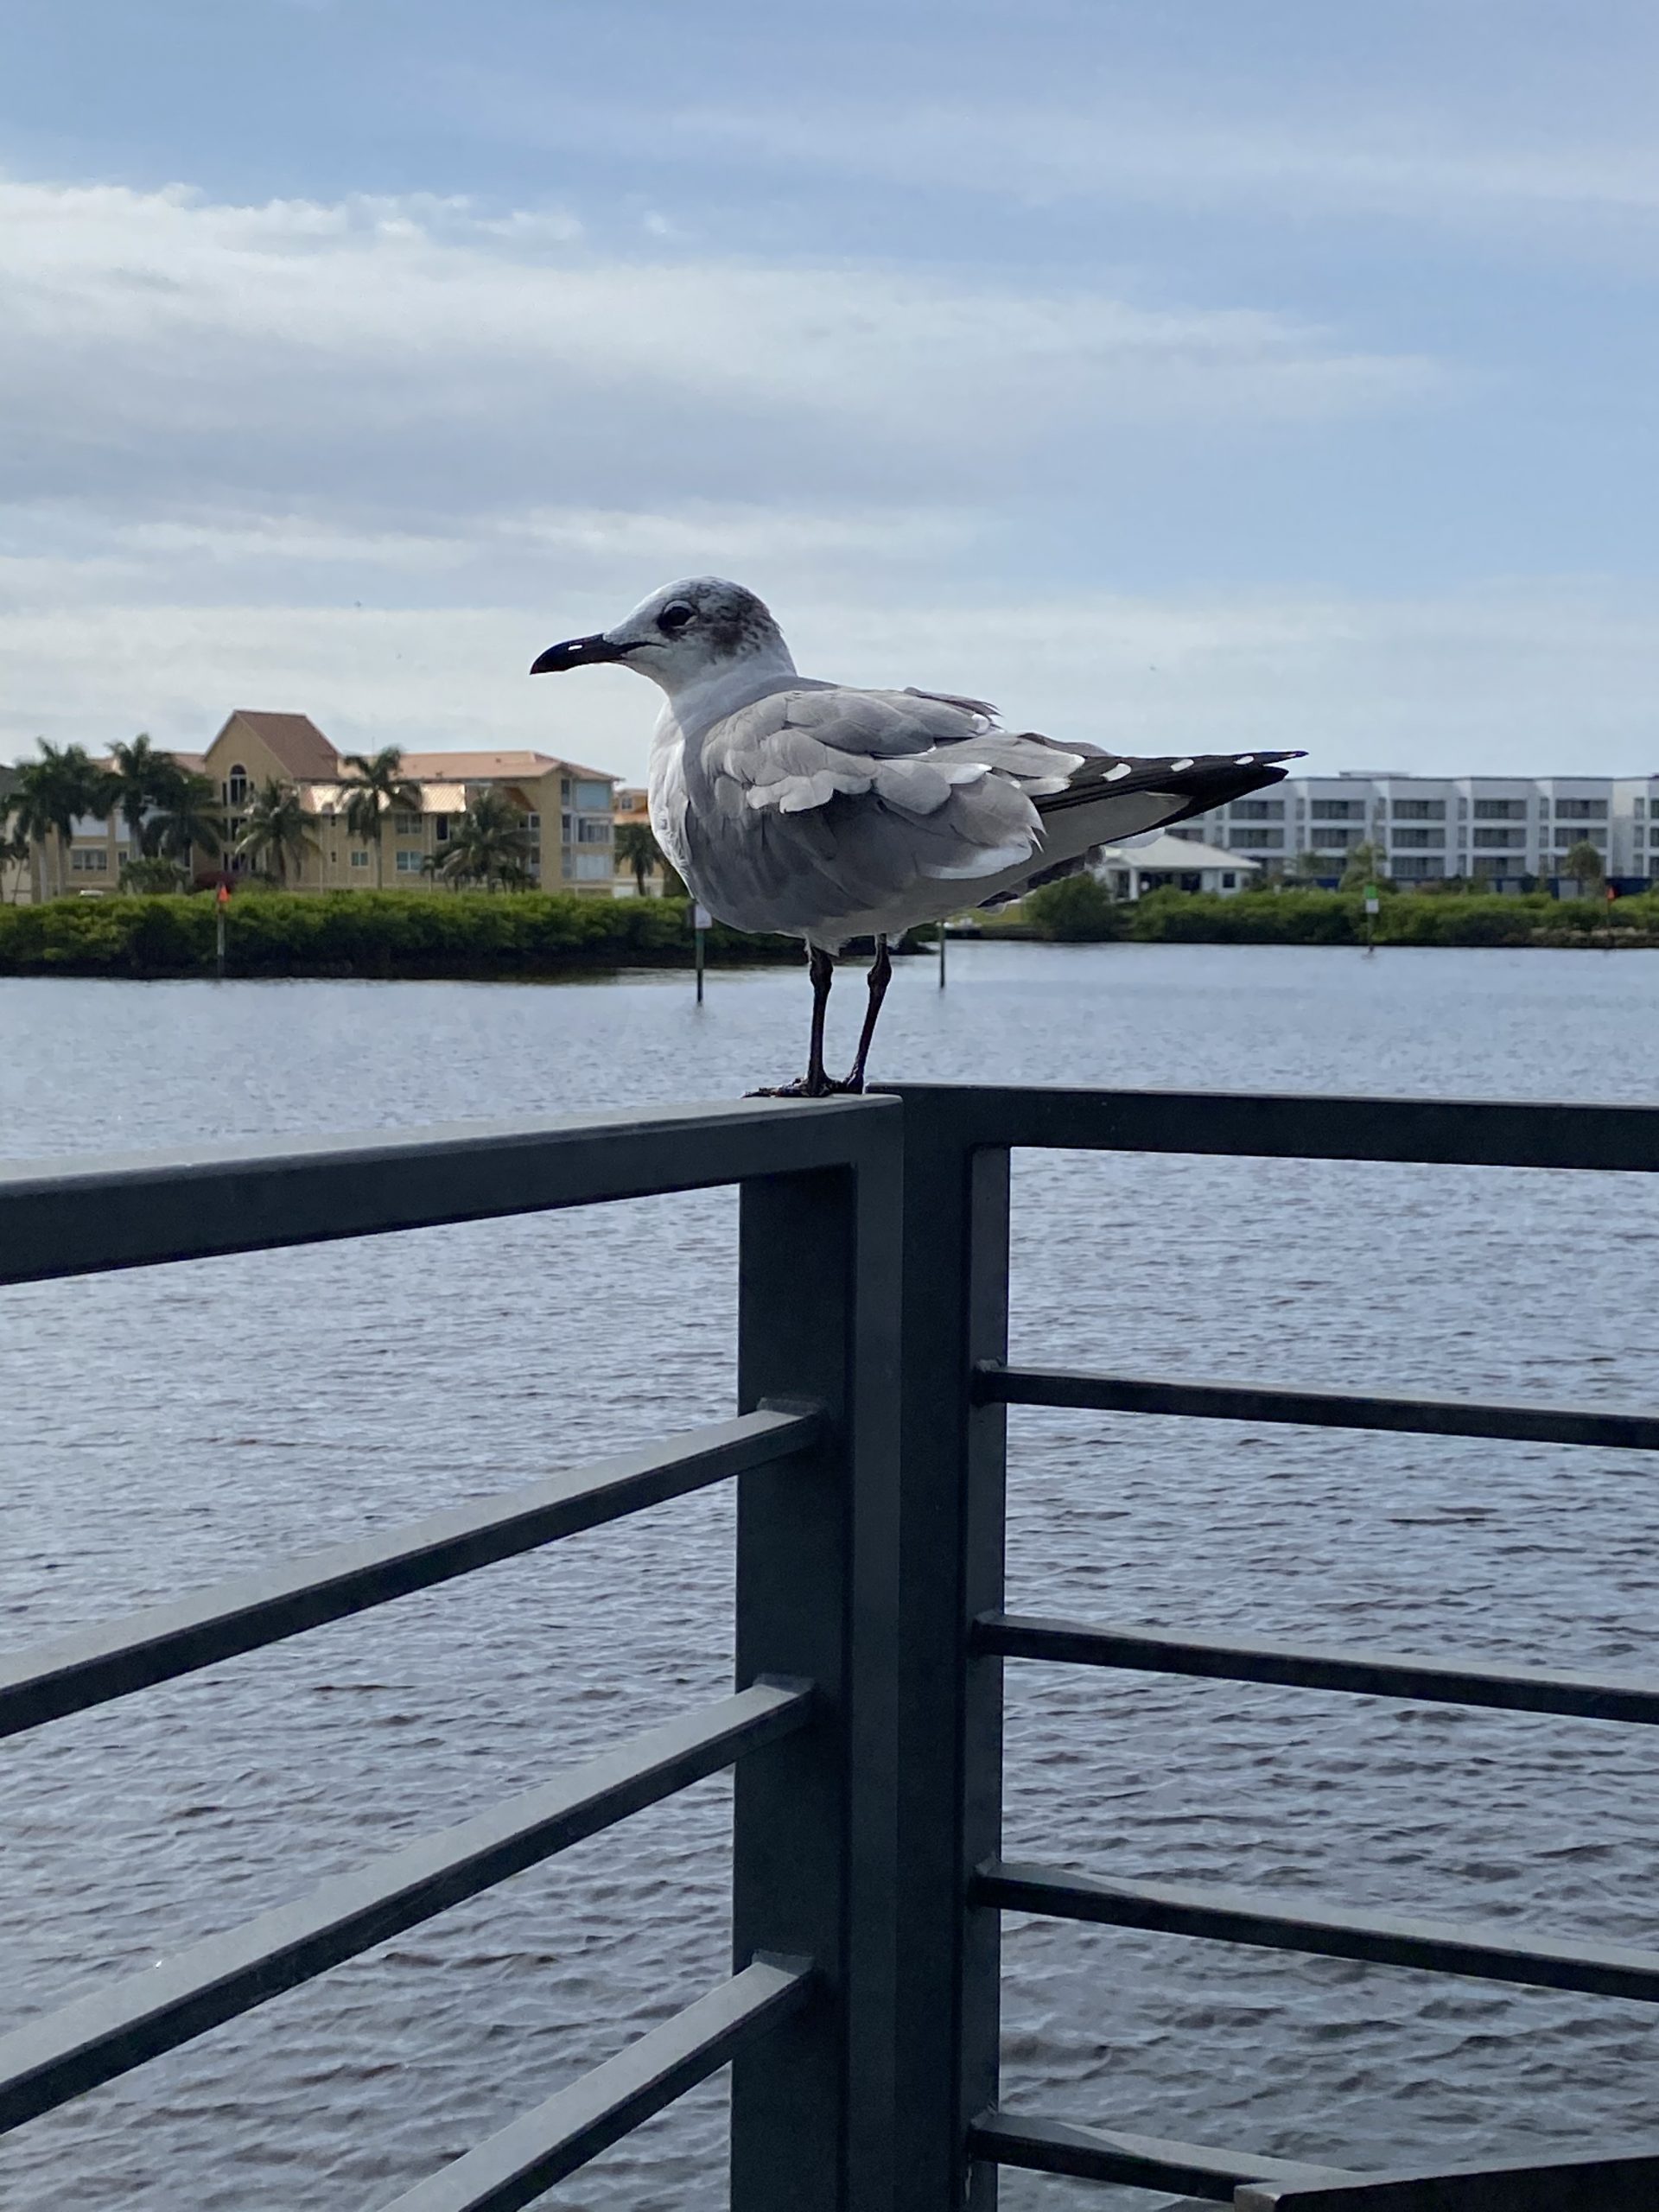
x: 83, y: 1217
x: 1295, y: 1125
x: 115, y: 1659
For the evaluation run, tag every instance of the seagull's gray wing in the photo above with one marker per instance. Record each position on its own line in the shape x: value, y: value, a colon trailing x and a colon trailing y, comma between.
x: 821, y: 803
x: 815, y: 803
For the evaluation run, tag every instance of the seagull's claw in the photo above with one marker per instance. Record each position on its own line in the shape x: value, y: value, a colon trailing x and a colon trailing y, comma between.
x: 805, y: 1087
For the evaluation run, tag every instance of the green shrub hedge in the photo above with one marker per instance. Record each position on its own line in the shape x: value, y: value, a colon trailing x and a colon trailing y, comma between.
x: 362, y: 933
x: 1335, y: 918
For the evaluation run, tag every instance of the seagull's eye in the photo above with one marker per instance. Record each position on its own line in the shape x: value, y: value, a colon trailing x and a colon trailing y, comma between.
x: 675, y: 616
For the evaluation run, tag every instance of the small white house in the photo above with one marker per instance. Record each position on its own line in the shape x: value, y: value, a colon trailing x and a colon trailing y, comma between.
x: 1163, y: 861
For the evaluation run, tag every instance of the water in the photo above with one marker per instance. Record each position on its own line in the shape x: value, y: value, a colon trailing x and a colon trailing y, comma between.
x: 161, y: 1429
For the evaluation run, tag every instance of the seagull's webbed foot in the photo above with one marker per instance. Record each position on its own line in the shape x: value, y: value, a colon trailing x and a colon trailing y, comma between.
x: 802, y: 1087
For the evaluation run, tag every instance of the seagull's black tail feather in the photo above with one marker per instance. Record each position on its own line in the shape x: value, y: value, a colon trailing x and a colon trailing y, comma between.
x: 1192, y: 783
x: 1111, y: 796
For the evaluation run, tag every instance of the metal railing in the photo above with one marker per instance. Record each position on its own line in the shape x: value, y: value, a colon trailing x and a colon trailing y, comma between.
x: 862, y: 2017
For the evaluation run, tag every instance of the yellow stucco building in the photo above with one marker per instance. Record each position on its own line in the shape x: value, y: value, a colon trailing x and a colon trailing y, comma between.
x: 568, y: 812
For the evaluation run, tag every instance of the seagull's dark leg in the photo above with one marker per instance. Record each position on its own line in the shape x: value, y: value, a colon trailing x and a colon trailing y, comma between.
x: 880, y: 977
x: 821, y: 968
x: 815, y: 1084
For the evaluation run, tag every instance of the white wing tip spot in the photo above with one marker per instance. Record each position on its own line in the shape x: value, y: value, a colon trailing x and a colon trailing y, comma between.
x: 1116, y: 775
x: 1245, y: 761
x: 1178, y: 767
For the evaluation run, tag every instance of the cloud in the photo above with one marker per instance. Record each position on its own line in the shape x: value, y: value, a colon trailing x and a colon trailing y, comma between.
x: 1540, y: 677
x: 427, y: 354
x: 364, y: 458
x: 1400, y: 165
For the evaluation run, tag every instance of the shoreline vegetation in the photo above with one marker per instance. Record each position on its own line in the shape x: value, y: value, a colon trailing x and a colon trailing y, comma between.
x: 1077, y: 910
x: 476, y: 933
x: 371, y: 933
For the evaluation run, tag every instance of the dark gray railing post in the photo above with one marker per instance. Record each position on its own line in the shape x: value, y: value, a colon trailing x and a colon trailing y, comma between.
x: 953, y: 1454
x: 813, y: 2117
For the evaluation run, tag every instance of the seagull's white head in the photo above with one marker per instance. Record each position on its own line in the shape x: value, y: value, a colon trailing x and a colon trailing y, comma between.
x: 684, y: 636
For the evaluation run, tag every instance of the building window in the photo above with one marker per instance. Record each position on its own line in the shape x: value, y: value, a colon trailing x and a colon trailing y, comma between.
x: 1420, y: 810
x: 1337, y: 809
x: 1258, y: 840
x: 594, y: 797
x: 593, y: 868
x: 1258, y: 810
x: 237, y: 786
x: 594, y: 833
x: 1565, y: 839
x: 410, y: 863
x: 1581, y: 810
x: 441, y: 828
x: 1329, y: 839
x: 1501, y: 841
x: 532, y: 821
x: 1653, y: 835
x: 1229, y: 881
x: 1417, y: 868
x: 1500, y: 810
x: 1419, y: 840
x: 360, y: 858
x: 90, y: 863
x: 404, y: 824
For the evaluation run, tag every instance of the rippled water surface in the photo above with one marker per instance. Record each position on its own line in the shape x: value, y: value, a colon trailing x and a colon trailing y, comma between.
x: 162, y: 1428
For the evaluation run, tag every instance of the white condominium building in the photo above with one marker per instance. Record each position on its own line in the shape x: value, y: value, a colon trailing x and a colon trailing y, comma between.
x: 1503, y: 828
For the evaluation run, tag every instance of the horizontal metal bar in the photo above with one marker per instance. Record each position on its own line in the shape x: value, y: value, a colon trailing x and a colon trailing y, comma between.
x: 80, y: 1217
x: 1237, y: 1916
x: 1296, y: 1125
x: 1261, y: 1402
x: 121, y: 1656
x: 1601, y: 2183
x: 1370, y: 1673
x: 47, y: 2061
x: 1058, y: 2146
x: 517, y: 2165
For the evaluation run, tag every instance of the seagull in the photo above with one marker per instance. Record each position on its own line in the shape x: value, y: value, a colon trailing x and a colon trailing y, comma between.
x: 829, y: 812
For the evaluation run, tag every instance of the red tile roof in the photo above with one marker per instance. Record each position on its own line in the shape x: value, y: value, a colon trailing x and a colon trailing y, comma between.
x: 465, y: 768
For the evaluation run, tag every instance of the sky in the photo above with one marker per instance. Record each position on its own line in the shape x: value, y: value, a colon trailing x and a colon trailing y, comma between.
x: 1203, y: 376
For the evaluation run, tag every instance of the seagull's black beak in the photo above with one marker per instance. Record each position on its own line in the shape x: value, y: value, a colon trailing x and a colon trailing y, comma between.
x: 577, y: 653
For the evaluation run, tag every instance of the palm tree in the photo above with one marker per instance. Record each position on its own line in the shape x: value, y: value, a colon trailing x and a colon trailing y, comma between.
x: 488, y: 843
x: 1366, y: 864
x: 637, y: 849
x: 188, y: 818
x: 376, y: 784
x: 1585, y: 864
x: 278, y: 831
x: 139, y: 780
x: 15, y: 846
x: 52, y: 794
